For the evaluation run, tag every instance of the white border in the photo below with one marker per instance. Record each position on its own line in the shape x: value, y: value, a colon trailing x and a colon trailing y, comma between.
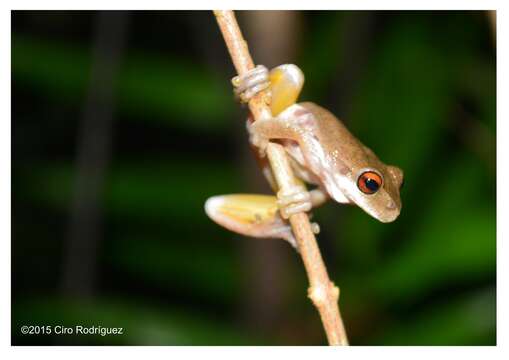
x: 259, y: 4
x: 262, y: 352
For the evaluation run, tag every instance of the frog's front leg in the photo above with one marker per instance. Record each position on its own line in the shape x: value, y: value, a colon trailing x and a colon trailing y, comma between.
x: 286, y: 82
x: 251, y: 83
x: 283, y: 82
x: 293, y: 124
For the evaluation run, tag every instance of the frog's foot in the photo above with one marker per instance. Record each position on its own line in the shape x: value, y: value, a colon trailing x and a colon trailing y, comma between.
x: 318, y: 197
x: 250, y: 215
x: 251, y: 83
x: 293, y: 201
x: 256, y: 139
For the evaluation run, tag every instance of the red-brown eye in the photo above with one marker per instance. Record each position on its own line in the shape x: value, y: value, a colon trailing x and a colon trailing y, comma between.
x: 369, y: 182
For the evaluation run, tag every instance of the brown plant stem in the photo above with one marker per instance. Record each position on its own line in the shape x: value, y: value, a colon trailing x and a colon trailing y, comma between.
x: 265, y: 263
x: 322, y: 292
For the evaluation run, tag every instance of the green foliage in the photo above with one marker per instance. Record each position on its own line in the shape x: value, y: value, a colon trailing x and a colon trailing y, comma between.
x: 471, y: 320
x: 149, y: 190
x: 159, y: 88
x: 428, y: 278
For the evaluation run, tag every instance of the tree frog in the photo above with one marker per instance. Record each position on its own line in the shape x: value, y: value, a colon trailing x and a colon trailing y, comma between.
x: 322, y: 152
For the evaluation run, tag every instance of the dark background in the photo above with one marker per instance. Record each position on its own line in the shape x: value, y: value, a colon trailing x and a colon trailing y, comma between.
x: 123, y: 123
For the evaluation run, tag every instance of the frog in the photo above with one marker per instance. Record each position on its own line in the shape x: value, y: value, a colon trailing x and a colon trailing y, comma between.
x: 322, y: 152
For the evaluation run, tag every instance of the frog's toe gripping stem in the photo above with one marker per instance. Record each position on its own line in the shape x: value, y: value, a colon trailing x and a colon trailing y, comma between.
x: 285, y: 83
x: 256, y: 140
x: 249, y: 84
x: 249, y: 215
x: 294, y: 201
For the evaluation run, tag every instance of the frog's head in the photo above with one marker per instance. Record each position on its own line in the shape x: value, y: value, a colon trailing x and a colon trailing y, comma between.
x: 374, y: 188
x: 377, y: 191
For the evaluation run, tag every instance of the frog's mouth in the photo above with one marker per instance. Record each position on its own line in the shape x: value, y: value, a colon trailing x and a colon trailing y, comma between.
x: 387, y: 216
x: 345, y: 191
x: 386, y: 212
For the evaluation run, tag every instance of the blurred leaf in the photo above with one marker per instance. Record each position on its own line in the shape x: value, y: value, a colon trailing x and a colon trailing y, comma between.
x: 317, y: 64
x: 175, y: 90
x: 143, y: 323
x: 180, y: 261
x: 416, y: 280
x: 155, y: 191
x: 464, y: 321
x: 471, y: 51
x: 61, y: 70
x: 477, y: 80
x: 145, y: 189
x: 455, y: 240
x: 453, y: 243
x: 403, y: 102
x: 170, y: 89
x: 400, y: 112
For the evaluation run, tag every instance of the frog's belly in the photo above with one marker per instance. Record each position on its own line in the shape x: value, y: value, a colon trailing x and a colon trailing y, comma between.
x: 301, y: 170
x: 298, y: 163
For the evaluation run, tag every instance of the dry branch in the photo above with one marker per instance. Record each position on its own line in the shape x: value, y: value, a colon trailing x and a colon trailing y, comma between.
x: 323, y: 293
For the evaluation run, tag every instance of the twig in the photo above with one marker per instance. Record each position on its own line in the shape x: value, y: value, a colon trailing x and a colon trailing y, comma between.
x: 323, y: 293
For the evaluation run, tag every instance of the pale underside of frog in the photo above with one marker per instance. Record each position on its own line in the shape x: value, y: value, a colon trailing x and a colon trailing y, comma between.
x: 322, y: 152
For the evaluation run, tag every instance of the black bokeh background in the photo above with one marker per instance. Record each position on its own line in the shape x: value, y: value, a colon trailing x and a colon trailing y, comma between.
x: 123, y: 123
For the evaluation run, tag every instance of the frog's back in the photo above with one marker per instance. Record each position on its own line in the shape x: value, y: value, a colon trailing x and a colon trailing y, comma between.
x: 336, y: 138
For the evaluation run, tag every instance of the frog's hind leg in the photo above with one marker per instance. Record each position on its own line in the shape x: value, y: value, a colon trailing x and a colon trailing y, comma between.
x: 286, y: 83
x: 250, y: 215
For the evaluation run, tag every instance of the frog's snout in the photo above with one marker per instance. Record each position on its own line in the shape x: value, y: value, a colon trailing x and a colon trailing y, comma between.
x: 391, y: 205
x: 391, y: 212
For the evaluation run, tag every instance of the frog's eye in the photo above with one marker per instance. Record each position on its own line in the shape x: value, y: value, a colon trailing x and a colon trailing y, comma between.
x: 369, y: 182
